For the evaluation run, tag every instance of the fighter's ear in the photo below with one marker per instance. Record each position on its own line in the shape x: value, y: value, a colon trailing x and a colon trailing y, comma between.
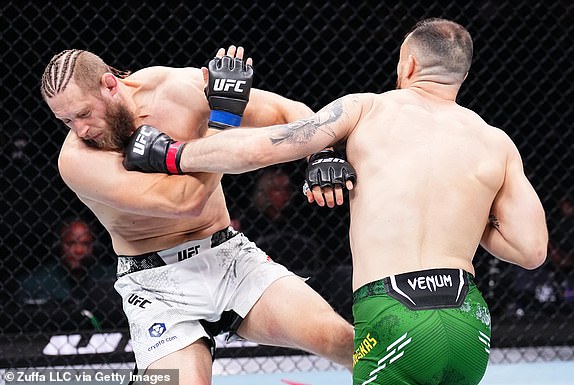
x: 110, y: 83
x: 411, y: 66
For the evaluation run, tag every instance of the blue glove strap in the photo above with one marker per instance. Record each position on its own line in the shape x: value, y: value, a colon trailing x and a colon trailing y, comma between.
x: 224, y: 117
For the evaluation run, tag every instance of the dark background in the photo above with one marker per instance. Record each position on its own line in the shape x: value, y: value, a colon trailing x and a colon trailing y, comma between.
x: 521, y: 81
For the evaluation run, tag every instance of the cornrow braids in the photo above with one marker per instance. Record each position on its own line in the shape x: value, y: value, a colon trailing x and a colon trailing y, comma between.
x: 84, y: 67
x: 59, y: 71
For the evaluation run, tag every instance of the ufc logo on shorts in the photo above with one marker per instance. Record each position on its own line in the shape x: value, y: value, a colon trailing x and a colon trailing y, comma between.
x: 188, y: 253
x: 227, y: 84
x: 139, y: 146
x: 136, y: 300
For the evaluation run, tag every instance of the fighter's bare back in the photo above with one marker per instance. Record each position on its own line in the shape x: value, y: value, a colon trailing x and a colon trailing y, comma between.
x: 426, y: 151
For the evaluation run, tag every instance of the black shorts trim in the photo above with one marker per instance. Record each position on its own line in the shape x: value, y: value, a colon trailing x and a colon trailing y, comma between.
x: 134, y: 263
x: 421, y: 290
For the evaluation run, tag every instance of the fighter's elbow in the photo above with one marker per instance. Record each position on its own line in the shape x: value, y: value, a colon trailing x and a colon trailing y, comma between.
x: 298, y: 110
x: 536, y: 256
x: 537, y: 242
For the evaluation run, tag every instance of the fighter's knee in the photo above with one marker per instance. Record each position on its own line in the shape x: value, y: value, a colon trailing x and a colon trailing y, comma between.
x: 344, y: 335
x: 337, y: 336
x: 338, y: 342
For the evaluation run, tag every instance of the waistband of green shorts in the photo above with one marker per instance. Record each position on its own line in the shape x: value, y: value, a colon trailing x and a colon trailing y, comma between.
x: 378, y: 287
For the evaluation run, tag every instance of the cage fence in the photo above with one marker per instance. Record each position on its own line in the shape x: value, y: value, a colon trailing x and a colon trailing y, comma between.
x: 309, y: 51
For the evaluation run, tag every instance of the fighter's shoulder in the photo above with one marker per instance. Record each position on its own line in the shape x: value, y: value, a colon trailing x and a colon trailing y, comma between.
x: 160, y: 74
x: 502, y: 139
x: 495, y: 135
x: 74, y: 155
x: 367, y: 101
x: 385, y: 98
x: 362, y: 99
x: 70, y: 148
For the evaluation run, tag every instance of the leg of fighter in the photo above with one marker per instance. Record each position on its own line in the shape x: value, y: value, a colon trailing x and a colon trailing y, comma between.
x: 193, y: 362
x: 291, y: 314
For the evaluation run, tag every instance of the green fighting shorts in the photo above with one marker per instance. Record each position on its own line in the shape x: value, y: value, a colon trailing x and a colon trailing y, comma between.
x: 423, y: 327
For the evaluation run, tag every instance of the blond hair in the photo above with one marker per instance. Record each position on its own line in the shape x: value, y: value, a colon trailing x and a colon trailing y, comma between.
x: 84, y: 67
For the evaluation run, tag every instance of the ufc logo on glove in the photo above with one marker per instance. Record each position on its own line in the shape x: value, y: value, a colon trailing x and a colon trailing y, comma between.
x: 140, y: 142
x: 227, y: 84
x: 328, y: 160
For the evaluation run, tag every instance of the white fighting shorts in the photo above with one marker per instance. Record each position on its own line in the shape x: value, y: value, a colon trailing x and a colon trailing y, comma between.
x: 197, y: 280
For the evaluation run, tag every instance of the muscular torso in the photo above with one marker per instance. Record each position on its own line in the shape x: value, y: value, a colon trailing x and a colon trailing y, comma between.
x: 173, y: 101
x: 427, y: 169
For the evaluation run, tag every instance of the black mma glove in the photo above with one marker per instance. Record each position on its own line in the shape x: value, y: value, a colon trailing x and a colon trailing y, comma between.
x: 327, y: 169
x: 228, y: 91
x: 150, y: 150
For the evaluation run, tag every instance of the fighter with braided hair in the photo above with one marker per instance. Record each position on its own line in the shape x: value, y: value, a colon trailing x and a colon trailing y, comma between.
x: 195, y: 274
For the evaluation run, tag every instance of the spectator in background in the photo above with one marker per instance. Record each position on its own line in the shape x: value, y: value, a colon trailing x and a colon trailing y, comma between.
x: 286, y: 227
x: 73, y: 282
x: 271, y: 194
x: 277, y: 224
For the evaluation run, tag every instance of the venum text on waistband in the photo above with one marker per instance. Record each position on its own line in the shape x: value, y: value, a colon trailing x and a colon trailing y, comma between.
x: 430, y: 282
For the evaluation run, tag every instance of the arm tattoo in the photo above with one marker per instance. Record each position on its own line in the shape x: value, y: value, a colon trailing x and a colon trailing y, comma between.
x: 301, y: 131
x: 494, y: 222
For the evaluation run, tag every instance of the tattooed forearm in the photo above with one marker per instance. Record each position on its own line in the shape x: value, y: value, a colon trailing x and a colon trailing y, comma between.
x: 301, y: 131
